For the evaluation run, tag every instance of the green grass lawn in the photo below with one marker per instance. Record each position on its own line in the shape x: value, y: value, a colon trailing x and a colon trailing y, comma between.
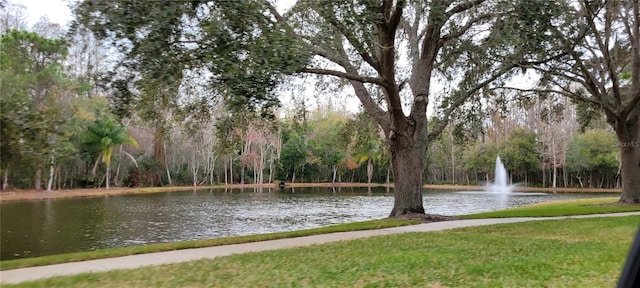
x: 553, y: 253
x: 562, y: 208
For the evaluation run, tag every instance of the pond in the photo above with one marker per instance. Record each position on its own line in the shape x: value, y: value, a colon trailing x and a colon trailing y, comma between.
x: 37, y: 228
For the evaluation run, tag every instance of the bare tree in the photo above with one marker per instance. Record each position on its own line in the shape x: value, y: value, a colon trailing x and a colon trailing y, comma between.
x: 12, y: 16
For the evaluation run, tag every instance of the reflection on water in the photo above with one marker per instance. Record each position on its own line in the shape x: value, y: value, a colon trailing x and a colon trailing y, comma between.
x: 37, y: 228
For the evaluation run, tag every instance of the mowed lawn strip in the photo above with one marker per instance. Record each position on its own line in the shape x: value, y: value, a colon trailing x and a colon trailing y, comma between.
x: 562, y: 208
x: 552, y: 253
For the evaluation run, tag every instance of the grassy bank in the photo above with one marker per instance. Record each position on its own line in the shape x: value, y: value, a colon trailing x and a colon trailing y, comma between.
x: 562, y: 208
x: 554, y: 253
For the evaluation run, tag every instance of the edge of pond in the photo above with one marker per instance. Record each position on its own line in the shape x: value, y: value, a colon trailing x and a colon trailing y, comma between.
x: 37, y: 195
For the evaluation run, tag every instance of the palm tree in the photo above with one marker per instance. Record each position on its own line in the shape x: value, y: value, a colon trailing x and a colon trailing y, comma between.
x: 104, y: 134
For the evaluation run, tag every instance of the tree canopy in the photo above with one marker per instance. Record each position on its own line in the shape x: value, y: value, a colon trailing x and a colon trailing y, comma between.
x: 387, y: 51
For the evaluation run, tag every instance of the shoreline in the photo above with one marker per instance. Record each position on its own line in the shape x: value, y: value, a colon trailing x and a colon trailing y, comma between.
x: 35, y: 195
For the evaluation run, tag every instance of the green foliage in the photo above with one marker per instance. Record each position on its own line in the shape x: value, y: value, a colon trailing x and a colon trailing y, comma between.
x: 246, y: 51
x: 34, y: 127
x: 103, y: 135
x: 27, y: 52
x: 361, y: 138
x: 292, y: 157
x: 589, y: 116
x: 520, y: 152
x: 147, y: 174
x: 593, y: 151
x: 323, y: 138
x: 480, y: 158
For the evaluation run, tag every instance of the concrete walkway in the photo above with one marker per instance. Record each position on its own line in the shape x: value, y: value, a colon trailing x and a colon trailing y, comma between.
x: 135, y: 261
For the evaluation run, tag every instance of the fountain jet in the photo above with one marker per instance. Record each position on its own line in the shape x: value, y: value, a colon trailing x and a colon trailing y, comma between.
x: 500, y: 182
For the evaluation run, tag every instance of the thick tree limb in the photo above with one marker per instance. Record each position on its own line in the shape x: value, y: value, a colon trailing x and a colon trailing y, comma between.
x: 346, y: 32
x: 603, y: 46
x: 371, y: 106
x: 344, y: 75
x: 462, y: 7
x: 396, y: 16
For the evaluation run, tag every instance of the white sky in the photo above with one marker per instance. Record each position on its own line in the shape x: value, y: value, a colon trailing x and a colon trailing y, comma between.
x: 56, y: 10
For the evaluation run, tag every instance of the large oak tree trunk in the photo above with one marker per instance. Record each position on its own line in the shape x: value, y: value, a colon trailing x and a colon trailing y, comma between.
x: 630, y: 162
x: 408, y: 159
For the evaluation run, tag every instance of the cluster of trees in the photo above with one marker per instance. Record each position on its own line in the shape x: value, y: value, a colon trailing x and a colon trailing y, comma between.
x: 196, y: 80
x: 54, y: 129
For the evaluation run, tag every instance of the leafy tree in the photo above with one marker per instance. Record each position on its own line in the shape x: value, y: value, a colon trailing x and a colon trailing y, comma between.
x: 292, y: 157
x: 324, y: 139
x: 31, y: 83
x: 249, y: 45
x: 599, y: 40
x: 103, y: 135
x: 592, y: 152
x: 361, y: 139
x: 520, y: 152
x: 481, y: 158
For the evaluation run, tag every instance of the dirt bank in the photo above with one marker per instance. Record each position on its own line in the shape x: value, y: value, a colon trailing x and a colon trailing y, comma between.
x: 25, y: 195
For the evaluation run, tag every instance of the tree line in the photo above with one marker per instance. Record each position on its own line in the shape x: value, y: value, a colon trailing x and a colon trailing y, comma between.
x: 56, y: 120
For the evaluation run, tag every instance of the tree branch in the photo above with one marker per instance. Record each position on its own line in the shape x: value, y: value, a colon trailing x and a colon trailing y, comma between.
x: 462, y: 7
x: 564, y: 92
x: 371, y: 106
x: 467, y: 26
x: 604, y: 46
x: 396, y: 16
x: 462, y: 98
x: 346, y: 32
x: 344, y: 75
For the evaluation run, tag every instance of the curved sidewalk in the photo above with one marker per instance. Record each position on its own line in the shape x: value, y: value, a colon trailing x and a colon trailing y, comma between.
x: 159, y: 258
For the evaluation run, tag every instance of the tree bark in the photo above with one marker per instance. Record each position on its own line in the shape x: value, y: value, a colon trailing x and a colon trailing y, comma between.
x: 407, y: 158
x: 51, y: 170
x: 629, y: 159
x: 388, y: 173
x: 5, y: 179
x: 369, y: 170
x: 335, y: 171
x: 160, y: 152
x: 242, y: 175
x: 555, y: 176
x: 544, y: 176
x: 194, y: 169
x: 231, y: 169
x: 108, y: 174
x: 38, y: 180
